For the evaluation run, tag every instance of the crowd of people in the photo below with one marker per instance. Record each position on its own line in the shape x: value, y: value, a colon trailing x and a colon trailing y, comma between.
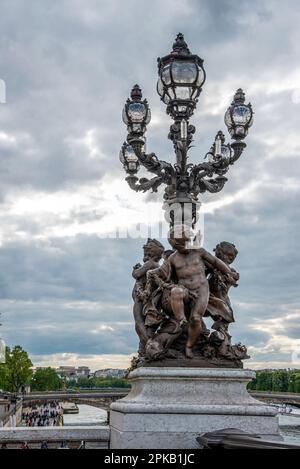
x: 44, y: 445
x: 45, y: 415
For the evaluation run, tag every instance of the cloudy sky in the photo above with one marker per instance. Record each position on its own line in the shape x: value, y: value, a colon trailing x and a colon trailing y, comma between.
x: 69, y: 65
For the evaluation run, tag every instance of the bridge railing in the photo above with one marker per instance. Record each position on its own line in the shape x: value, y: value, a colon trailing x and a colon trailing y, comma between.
x: 79, y: 395
x: 93, y: 436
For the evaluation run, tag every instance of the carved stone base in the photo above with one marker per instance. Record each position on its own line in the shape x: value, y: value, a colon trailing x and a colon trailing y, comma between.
x: 167, y: 408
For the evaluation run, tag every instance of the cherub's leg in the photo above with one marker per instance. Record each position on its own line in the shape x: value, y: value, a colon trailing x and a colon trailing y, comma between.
x: 140, y: 322
x: 178, y: 295
x: 195, y: 322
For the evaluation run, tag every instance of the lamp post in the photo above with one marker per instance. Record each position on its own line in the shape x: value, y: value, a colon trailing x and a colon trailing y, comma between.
x: 180, y: 79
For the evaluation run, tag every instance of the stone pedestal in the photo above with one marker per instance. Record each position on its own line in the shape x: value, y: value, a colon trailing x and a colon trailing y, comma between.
x: 168, y: 408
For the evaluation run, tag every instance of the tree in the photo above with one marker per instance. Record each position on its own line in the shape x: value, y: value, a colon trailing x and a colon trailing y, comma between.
x: 294, y: 381
x: 46, y: 379
x: 264, y: 381
x: 3, y: 377
x: 280, y: 381
x: 297, y: 383
x: 83, y: 382
x: 252, y: 385
x: 16, y: 371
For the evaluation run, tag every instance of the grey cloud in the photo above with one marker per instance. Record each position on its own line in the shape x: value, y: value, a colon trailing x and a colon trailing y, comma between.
x: 79, y: 268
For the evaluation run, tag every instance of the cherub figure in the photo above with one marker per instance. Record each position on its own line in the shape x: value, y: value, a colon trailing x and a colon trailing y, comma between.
x: 153, y: 251
x: 219, y: 286
x: 192, y: 289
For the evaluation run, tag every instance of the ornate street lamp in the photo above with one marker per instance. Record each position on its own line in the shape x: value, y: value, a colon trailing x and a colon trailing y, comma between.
x: 180, y: 79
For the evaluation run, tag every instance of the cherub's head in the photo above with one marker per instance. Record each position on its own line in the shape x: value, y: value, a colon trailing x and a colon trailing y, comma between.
x: 179, y: 237
x: 227, y: 252
x: 153, y: 249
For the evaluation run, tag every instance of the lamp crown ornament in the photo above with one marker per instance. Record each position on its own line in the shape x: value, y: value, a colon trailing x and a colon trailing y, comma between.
x: 136, y: 93
x: 239, y: 97
x: 180, y: 46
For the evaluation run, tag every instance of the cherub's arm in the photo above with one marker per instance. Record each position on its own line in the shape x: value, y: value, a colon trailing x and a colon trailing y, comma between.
x: 160, y: 275
x: 218, y: 264
x: 142, y: 271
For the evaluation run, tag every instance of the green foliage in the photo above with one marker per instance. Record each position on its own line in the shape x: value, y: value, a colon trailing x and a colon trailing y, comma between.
x: 94, y: 382
x: 3, y: 377
x: 280, y: 381
x: 46, y: 379
x: 83, y: 382
x: 252, y: 385
x: 276, y: 380
x: 264, y: 381
x: 16, y: 371
x: 294, y: 381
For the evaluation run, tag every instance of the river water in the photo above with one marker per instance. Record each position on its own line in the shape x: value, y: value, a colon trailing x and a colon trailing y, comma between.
x: 289, y: 424
x: 88, y: 415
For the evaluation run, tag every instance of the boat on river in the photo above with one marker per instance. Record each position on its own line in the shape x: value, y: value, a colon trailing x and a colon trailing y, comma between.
x: 69, y: 408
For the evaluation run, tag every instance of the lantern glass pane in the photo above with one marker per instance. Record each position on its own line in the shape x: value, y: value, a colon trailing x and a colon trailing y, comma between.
x: 251, y: 121
x: 137, y: 112
x: 171, y: 93
x: 165, y: 75
x: 160, y: 87
x: 225, y: 151
x: 130, y: 155
x: 241, y: 115
x: 124, y: 116
x: 148, y: 119
x: 182, y: 92
x: 184, y: 72
x: 200, y: 79
x: 195, y: 93
x: 227, y: 118
x: 121, y: 157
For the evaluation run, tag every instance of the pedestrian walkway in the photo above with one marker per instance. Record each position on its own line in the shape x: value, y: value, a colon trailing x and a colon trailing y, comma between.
x: 44, y: 415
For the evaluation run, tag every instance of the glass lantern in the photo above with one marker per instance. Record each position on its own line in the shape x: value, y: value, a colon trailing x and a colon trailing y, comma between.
x: 181, y: 76
x: 239, y: 116
x: 136, y: 113
x: 129, y: 159
x: 220, y: 150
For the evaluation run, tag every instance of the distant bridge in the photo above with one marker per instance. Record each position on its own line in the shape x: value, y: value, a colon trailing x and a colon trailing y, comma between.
x: 103, y: 400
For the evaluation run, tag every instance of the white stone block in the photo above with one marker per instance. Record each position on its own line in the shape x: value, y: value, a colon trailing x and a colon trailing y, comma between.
x: 170, y: 407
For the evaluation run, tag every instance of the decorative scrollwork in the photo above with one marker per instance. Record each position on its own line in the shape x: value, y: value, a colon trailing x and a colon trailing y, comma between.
x: 144, y: 184
x: 184, y: 181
